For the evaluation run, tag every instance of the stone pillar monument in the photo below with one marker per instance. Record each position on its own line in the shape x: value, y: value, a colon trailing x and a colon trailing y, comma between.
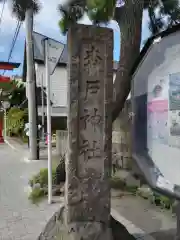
x: 88, y: 166
x: 176, y: 209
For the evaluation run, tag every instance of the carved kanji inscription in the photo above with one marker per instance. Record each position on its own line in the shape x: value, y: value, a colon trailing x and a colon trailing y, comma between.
x: 92, y: 59
x: 89, y: 124
x: 92, y: 88
x: 90, y: 150
x: 91, y: 117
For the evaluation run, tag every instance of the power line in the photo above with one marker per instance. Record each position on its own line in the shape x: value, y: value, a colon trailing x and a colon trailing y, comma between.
x: 2, y: 11
x: 16, y: 33
x: 14, y: 39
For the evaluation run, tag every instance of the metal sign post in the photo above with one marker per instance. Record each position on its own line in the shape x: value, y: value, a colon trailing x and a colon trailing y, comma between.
x: 42, y: 99
x: 48, y: 92
x: 53, y: 51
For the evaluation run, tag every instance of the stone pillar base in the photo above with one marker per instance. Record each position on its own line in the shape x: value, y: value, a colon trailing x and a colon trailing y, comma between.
x: 56, y: 228
x: 176, y: 210
x: 89, y: 231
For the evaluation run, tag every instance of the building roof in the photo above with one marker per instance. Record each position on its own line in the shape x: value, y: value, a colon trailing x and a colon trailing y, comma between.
x: 150, y: 42
x: 8, y: 65
x: 39, y: 51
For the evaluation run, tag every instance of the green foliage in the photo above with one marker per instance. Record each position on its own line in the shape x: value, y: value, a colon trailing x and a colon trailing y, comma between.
x: 100, y: 10
x: 42, y: 177
x: 155, y: 198
x: 118, y: 183
x: 162, y: 201
x: 13, y: 91
x: 18, y: 95
x: 19, y: 7
x: 36, y: 195
x: 16, y: 119
x: 97, y: 10
x: 163, y: 14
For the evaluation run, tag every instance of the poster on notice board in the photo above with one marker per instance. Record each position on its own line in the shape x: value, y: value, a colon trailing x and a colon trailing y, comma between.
x: 174, y: 104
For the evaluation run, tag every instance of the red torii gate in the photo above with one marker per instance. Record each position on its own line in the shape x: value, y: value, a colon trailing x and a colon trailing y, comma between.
x: 5, y: 66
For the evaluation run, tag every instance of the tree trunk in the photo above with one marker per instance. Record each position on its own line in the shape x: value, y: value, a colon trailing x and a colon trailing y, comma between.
x: 31, y: 86
x: 129, y: 18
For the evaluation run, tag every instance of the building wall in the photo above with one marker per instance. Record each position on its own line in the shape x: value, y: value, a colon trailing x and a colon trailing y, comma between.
x: 121, y: 138
x: 58, y: 88
x: 121, y: 128
x: 58, y: 84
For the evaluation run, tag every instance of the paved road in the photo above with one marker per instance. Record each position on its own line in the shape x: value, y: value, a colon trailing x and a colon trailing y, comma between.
x: 19, y: 219
x: 152, y: 220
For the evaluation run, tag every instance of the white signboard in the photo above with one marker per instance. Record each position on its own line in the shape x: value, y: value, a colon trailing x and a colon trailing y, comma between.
x: 55, y: 50
x: 156, y: 123
x: 38, y: 43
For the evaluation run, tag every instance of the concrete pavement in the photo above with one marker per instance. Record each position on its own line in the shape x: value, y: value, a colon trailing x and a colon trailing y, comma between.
x: 19, y: 218
x: 153, y: 222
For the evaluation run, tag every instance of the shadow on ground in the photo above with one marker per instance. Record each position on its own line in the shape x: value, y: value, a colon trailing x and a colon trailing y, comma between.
x: 165, y: 235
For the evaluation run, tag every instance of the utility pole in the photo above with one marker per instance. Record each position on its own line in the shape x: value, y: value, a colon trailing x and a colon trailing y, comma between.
x: 48, y: 92
x: 37, y: 119
x: 42, y: 108
x: 31, y: 86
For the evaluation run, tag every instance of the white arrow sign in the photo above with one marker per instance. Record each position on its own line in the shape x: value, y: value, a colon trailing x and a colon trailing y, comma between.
x: 55, y: 50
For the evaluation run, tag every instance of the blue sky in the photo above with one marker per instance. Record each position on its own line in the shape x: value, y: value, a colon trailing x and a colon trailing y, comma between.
x: 46, y: 23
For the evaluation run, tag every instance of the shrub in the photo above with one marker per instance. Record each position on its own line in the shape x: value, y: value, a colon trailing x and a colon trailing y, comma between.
x: 117, y: 183
x: 36, y: 195
x: 42, y: 177
x: 39, y: 182
x: 132, y: 189
x: 163, y: 201
x: 16, y: 119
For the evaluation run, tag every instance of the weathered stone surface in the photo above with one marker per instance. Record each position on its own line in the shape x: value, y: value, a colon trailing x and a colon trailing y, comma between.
x: 121, y: 138
x: 89, y: 231
x: 177, y: 212
x: 60, y: 172
x: 61, y: 142
x: 56, y: 229
x: 87, y: 188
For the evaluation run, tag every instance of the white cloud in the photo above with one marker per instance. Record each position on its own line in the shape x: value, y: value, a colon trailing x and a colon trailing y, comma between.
x: 46, y: 22
x: 8, y: 21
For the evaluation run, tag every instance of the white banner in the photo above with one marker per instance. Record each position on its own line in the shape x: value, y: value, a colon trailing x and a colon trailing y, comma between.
x: 55, y: 50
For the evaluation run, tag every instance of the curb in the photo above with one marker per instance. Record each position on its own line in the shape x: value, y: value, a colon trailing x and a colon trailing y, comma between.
x: 132, y: 229
x: 10, y: 145
x: 25, y: 159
